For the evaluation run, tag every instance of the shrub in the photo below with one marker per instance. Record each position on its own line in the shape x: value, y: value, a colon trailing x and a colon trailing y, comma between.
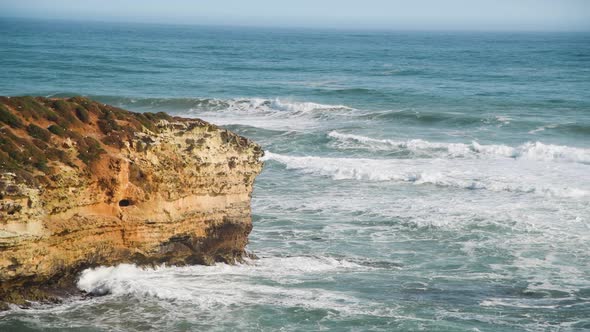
x: 90, y: 150
x: 10, y: 119
x: 58, y: 154
x: 38, y: 132
x: 51, y: 116
x: 64, y: 109
x: 57, y: 130
x: 107, y: 122
x: 28, y: 107
x: 82, y: 114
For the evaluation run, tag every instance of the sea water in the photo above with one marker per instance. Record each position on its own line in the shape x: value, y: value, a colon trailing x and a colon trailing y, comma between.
x: 434, y: 181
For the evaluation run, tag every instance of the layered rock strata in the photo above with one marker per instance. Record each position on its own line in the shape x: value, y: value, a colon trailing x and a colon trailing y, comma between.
x: 84, y: 184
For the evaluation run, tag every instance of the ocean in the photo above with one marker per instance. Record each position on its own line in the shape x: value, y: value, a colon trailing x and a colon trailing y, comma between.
x: 434, y: 181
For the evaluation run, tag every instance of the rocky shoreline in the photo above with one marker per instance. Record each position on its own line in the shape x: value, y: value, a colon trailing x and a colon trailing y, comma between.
x: 84, y: 184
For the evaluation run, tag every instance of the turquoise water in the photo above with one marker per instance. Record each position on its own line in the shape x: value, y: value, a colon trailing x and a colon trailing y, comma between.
x: 413, y: 181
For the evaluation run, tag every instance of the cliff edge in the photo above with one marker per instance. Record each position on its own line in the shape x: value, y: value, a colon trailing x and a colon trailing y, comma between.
x: 84, y: 184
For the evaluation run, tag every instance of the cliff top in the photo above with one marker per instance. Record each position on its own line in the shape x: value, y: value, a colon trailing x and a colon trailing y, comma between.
x: 39, y: 134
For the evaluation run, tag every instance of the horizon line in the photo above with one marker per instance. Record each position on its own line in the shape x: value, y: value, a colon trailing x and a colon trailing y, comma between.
x: 334, y: 28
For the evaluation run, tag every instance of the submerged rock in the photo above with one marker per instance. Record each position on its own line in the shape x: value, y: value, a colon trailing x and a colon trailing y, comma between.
x: 84, y: 184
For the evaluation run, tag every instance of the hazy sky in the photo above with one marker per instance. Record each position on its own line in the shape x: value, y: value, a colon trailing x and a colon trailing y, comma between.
x: 380, y: 14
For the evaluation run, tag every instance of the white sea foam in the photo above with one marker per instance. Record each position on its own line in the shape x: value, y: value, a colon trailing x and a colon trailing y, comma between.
x: 265, y: 106
x: 495, y: 175
x: 264, y: 281
x: 503, y: 119
x: 276, y: 113
x: 494, y: 302
x: 529, y: 150
x: 304, y: 107
x: 542, y: 128
x: 278, y: 269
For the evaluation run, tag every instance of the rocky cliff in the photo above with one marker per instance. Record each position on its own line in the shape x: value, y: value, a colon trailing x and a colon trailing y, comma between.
x: 85, y: 184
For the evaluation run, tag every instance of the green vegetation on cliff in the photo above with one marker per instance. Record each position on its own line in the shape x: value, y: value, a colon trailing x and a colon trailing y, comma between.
x: 28, y: 148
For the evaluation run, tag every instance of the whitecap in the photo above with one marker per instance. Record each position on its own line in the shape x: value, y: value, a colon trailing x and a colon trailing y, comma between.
x: 277, y: 114
x: 542, y: 128
x: 258, y: 282
x: 503, y: 175
x: 528, y: 150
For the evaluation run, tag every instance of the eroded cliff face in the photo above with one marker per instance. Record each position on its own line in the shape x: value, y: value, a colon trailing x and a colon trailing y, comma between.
x: 85, y: 184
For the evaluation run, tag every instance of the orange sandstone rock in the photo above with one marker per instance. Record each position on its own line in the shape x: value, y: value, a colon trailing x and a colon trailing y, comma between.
x: 85, y: 184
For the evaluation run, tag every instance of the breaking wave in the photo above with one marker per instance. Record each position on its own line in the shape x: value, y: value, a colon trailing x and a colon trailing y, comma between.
x: 223, y: 285
x: 495, y: 175
x: 529, y: 150
x: 247, y: 105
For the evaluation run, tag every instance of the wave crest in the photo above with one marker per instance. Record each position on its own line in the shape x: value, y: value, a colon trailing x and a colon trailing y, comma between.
x: 530, y: 150
x: 493, y: 175
x: 127, y: 279
x: 249, y: 105
x: 223, y: 285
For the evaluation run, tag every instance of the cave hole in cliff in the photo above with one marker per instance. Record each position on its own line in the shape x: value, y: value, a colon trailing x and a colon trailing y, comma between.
x: 125, y: 202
